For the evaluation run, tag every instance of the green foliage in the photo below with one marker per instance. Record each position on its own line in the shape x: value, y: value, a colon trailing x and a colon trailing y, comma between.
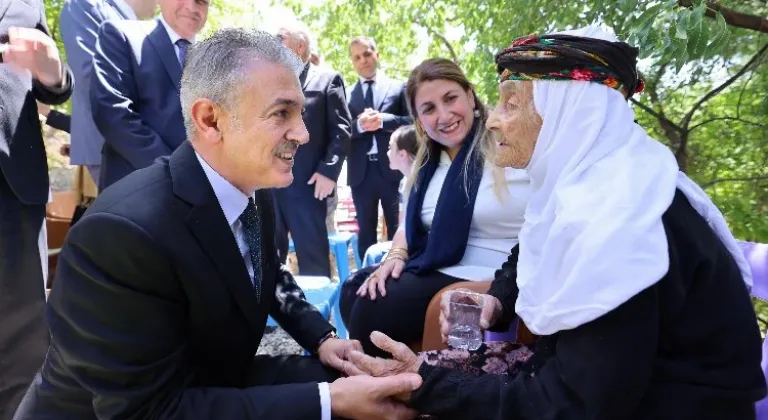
x: 686, y: 52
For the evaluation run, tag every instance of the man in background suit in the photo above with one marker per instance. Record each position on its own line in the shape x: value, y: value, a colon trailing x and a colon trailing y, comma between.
x: 135, y: 91
x: 301, y: 208
x: 79, y: 22
x: 164, y: 286
x: 379, y: 106
x: 30, y: 70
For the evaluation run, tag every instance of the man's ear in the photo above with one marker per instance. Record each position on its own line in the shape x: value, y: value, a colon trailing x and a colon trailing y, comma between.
x: 206, y: 116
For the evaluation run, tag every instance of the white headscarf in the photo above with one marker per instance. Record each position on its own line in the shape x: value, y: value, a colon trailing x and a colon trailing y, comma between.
x: 593, y: 236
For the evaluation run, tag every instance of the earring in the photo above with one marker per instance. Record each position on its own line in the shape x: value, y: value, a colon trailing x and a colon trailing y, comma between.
x: 477, y: 113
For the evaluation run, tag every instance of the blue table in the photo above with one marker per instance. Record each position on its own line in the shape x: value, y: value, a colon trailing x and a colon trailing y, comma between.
x: 324, y: 294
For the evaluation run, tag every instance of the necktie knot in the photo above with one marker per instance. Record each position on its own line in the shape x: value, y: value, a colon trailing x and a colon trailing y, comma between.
x: 250, y: 216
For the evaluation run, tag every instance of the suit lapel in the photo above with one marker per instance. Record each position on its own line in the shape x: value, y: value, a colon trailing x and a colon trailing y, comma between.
x: 207, y: 222
x: 165, y: 50
x: 382, y: 88
x: 311, y: 72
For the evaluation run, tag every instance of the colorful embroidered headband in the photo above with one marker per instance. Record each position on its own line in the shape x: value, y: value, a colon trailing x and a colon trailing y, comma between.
x: 566, y: 57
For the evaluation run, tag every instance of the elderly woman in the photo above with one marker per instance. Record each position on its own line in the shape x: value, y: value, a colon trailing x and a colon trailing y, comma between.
x: 626, y: 269
x: 462, y: 216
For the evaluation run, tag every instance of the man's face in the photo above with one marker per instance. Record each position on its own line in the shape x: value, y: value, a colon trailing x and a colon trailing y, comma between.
x: 365, y: 60
x: 186, y: 17
x: 293, y: 43
x: 260, y: 135
x: 145, y: 9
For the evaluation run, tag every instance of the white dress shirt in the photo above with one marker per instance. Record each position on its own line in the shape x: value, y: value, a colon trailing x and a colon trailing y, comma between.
x: 126, y: 9
x: 496, y: 222
x: 233, y: 202
x: 173, y: 36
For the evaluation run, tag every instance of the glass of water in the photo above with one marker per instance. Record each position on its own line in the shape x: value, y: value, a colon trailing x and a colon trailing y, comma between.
x: 464, y: 331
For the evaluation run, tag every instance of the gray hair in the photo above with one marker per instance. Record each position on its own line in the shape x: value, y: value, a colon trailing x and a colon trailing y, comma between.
x: 298, y: 30
x: 364, y: 41
x: 216, y: 68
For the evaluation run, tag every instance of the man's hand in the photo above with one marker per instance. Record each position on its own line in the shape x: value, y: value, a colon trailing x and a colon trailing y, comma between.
x: 334, y: 353
x: 370, y: 120
x: 323, y: 185
x: 369, y: 398
x: 31, y: 49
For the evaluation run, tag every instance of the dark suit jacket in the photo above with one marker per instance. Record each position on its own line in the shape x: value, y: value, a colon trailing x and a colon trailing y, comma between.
x: 153, y: 315
x: 22, y: 153
x: 79, y: 23
x: 135, y: 96
x: 389, y: 99
x: 327, y: 119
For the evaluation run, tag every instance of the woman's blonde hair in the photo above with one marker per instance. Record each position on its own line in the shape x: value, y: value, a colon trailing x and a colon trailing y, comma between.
x: 444, y: 69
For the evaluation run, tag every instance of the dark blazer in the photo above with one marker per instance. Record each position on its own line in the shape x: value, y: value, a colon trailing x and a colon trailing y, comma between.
x: 79, y: 23
x: 153, y: 315
x: 135, y: 96
x: 389, y: 98
x: 22, y: 153
x: 327, y: 119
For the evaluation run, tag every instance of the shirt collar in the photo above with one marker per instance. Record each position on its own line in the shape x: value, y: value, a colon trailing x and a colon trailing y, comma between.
x: 231, y: 200
x: 171, y: 33
x: 373, y: 79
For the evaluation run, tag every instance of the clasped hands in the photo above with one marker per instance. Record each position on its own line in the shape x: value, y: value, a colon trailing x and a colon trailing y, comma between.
x: 370, y: 120
x: 381, y: 388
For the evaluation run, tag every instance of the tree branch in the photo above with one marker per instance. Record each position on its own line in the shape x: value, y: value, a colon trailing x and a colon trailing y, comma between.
x: 711, y: 94
x: 732, y: 17
x: 441, y: 37
x: 744, y: 179
x: 662, y: 119
x: 741, y: 120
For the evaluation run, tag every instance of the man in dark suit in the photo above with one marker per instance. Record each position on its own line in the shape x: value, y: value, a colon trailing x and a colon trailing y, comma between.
x: 301, y: 208
x: 164, y: 286
x: 79, y: 22
x: 379, y: 106
x: 30, y: 69
x: 135, y: 91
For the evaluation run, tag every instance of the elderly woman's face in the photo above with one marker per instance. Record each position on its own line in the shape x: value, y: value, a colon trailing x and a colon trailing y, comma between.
x: 514, y: 124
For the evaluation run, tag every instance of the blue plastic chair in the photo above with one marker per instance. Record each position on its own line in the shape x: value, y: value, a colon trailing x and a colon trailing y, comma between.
x: 339, y: 244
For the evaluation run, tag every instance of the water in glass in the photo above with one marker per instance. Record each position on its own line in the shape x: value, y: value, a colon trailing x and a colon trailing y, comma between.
x: 464, y: 331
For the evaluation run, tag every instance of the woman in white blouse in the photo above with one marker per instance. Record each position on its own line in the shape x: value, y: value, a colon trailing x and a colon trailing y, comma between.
x: 463, y: 215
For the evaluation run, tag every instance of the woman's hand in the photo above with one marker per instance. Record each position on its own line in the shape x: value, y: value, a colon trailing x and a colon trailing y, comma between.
x: 404, y: 361
x: 490, y: 314
x: 392, y: 266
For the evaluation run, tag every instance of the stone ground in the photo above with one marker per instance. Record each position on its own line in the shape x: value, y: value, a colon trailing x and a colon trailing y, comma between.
x: 275, y: 341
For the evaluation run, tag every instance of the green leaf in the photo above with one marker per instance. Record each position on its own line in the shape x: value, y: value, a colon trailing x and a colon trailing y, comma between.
x: 721, y: 35
x: 680, y: 53
x: 681, y: 26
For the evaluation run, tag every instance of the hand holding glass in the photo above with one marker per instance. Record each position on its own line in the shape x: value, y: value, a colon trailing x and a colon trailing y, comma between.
x: 464, y: 318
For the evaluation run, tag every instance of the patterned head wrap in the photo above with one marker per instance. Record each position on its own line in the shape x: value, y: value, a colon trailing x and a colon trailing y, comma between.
x: 566, y: 57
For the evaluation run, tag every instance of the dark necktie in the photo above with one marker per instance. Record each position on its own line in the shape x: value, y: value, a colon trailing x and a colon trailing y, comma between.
x: 251, y: 220
x: 369, y: 94
x: 183, y: 44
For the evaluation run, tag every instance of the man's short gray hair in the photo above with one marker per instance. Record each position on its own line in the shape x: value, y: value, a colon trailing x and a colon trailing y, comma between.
x: 216, y: 68
x: 298, y: 30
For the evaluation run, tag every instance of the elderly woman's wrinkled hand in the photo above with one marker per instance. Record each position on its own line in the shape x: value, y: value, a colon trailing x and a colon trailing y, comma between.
x: 403, y: 360
x: 490, y: 314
